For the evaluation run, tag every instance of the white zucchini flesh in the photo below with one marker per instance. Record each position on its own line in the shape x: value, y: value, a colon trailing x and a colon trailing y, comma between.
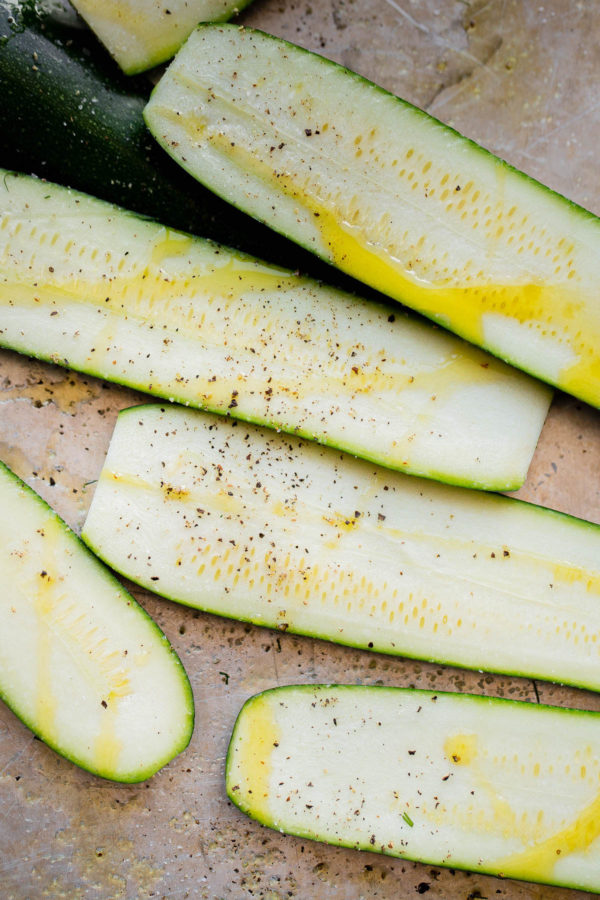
x: 81, y: 663
x: 266, y: 528
x: 389, y: 195
x: 96, y: 288
x: 495, y: 786
x: 140, y: 34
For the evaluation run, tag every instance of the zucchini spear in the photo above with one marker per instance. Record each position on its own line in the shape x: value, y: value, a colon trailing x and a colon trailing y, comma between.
x: 266, y: 528
x: 495, y: 786
x: 390, y: 196
x: 82, y: 664
x: 93, y: 287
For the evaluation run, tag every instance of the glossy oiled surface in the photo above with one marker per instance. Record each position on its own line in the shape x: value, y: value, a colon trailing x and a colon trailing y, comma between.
x: 389, y: 196
x: 520, y: 79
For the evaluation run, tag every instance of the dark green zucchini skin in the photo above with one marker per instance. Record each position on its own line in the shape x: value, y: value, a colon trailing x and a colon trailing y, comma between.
x: 67, y: 113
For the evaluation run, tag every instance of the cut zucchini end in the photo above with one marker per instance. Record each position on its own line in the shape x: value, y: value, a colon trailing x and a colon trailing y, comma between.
x: 147, y: 35
x: 248, y: 755
x: 103, y: 688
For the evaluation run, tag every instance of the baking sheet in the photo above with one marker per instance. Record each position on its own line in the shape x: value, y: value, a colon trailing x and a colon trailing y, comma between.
x: 519, y: 77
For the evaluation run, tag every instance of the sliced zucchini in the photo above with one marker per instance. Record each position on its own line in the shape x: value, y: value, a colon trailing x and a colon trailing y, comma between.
x: 96, y: 288
x: 389, y: 195
x: 82, y: 664
x: 140, y: 34
x: 455, y: 780
x: 269, y: 529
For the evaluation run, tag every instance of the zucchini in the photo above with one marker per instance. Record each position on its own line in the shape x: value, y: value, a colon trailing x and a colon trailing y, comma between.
x: 266, y: 528
x: 390, y: 196
x: 69, y: 115
x: 100, y: 290
x: 496, y: 786
x: 140, y: 34
x: 82, y: 664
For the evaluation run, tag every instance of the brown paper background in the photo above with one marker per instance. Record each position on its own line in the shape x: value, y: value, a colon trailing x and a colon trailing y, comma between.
x: 521, y: 78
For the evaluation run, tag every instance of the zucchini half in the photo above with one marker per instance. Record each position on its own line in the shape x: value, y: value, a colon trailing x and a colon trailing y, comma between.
x: 496, y: 786
x: 82, y: 664
x: 93, y: 287
x: 266, y: 528
x: 140, y: 34
x: 390, y: 196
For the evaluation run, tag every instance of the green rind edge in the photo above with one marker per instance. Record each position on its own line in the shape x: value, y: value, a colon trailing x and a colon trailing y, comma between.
x: 354, y: 451
x: 209, y: 26
x: 507, y: 484
x: 113, y: 582
x: 467, y: 698
x: 493, y: 497
x: 415, y: 110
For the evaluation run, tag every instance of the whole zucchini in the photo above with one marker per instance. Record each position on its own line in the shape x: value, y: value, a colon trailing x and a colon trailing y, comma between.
x: 70, y: 115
